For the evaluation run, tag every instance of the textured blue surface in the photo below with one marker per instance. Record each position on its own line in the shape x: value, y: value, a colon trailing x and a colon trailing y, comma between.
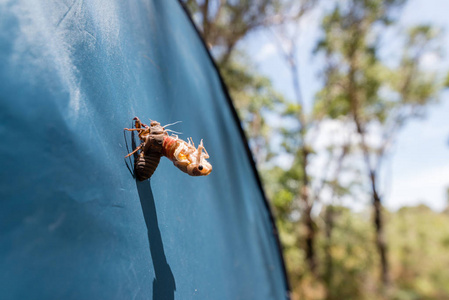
x: 74, y: 224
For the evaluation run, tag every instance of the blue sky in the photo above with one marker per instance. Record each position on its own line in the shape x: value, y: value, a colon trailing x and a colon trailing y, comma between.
x: 418, y: 170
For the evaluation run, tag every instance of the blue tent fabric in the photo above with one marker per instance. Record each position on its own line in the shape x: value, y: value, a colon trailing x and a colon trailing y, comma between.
x: 74, y: 224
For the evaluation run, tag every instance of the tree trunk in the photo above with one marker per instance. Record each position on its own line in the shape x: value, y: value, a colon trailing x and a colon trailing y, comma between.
x: 310, y: 226
x: 380, y: 234
x: 329, y: 267
x: 310, y: 241
x: 377, y: 203
x: 381, y: 243
x: 304, y: 152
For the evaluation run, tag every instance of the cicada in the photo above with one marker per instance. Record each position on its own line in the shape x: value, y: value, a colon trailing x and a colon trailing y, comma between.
x: 156, y: 142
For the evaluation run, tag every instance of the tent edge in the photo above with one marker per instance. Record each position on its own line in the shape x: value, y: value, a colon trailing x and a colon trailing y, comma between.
x: 247, y: 150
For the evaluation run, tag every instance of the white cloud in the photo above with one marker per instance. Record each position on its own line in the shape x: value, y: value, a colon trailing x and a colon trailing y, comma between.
x: 431, y: 61
x: 266, y: 51
x: 331, y: 133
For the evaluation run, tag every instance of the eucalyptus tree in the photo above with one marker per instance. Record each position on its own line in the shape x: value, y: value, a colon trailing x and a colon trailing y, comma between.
x: 376, y: 94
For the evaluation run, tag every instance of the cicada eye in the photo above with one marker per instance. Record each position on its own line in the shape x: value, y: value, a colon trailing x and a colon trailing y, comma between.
x: 200, y: 167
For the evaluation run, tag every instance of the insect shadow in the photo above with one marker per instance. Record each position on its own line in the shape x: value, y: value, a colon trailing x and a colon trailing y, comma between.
x: 164, y: 285
x: 130, y: 166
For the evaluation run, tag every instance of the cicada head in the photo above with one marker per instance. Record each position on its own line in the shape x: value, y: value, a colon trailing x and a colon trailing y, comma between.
x: 156, y: 128
x: 202, y: 169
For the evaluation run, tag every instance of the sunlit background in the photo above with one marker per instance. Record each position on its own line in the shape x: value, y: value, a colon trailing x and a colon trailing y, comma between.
x: 345, y: 107
x: 419, y: 168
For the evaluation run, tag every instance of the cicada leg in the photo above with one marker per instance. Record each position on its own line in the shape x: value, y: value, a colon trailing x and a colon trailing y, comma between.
x: 135, y: 150
x: 200, y: 149
x: 133, y: 129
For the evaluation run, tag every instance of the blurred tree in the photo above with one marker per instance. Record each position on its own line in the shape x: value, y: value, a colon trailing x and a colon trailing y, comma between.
x: 254, y: 97
x: 296, y: 143
x: 299, y: 139
x: 331, y: 215
x: 376, y: 97
x: 223, y: 24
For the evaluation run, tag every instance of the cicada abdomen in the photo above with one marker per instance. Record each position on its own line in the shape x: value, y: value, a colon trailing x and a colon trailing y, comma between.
x: 149, y: 152
x: 146, y: 164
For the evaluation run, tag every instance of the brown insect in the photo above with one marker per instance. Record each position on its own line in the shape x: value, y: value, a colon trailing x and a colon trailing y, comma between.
x: 186, y: 157
x: 156, y: 142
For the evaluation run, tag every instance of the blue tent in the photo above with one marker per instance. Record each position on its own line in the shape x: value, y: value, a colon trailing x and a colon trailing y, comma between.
x: 74, y: 223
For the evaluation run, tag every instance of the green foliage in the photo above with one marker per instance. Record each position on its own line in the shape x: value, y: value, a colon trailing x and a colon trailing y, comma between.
x: 419, y: 250
x: 281, y: 198
x: 254, y: 98
x: 250, y: 91
x: 351, y: 254
x: 292, y: 109
x: 357, y: 82
x: 446, y: 81
x: 418, y: 242
x: 418, y: 254
x: 331, y: 103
